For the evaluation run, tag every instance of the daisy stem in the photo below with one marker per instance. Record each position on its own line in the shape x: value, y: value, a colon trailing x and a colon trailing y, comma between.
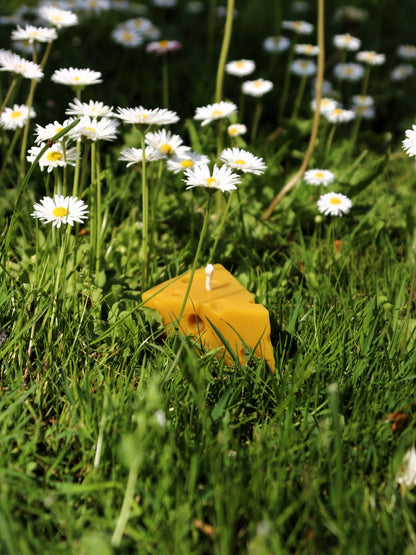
x: 75, y: 183
x: 46, y: 54
x: 298, y: 99
x: 221, y: 227
x: 224, y: 50
x: 196, y: 258
x: 9, y: 151
x: 329, y: 141
x: 286, y: 82
x: 58, y: 285
x: 98, y: 213
x: 165, y: 81
x: 358, y: 118
x: 220, y: 137
x: 9, y: 92
x: 256, y: 119
x: 127, y: 501
x: 409, y: 307
x: 145, y: 214
x: 211, y: 30
x: 29, y: 103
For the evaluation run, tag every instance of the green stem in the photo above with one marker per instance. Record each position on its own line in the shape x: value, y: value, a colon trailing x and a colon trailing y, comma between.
x: 298, y: 99
x: 9, y: 151
x: 224, y: 50
x: 58, y: 285
x: 256, y: 119
x: 329, y: 141
x: 196, y: 258
x: 9, y: 92
x: 221, y: 227
x: 98, y: 214
x: 165, y: 81
x: 127, y: 501
x: 409, y: 307
x: 358, y: 118
x: 145, y: 215
x: 286, y: 82
x: 29, y: 103
x: 93, y: 237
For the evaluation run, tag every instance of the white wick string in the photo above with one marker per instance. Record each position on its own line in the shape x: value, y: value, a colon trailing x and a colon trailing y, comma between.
x: 209, y: 270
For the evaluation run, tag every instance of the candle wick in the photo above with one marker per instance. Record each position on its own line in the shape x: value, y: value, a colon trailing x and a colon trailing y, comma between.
x: 209, y: 270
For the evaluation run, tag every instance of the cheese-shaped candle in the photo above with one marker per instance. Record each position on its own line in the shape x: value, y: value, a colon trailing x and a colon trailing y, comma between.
x: 228, y: 306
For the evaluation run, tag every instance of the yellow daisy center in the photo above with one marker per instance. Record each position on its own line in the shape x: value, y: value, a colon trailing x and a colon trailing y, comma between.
x: 337, y: 111
x: 257, y: 83
x: 211, y: 181
x: 349, y: 71
x: 216, y: 113
x: 140, y: 115
x: 334, y: 200
x: 319, y: 175
x: 127, y: 36
x: 163, y: 43
x: 241, y: 162
x: 187, y: 163
x: 166, y: 149
x: 54, y: 156
x: 58, y: 130
x: 308, y: 48
x: 240, y: 63
x: 60, y: 211
x: 90, y: 130
x: 76, y: 78
x: 16, y: 114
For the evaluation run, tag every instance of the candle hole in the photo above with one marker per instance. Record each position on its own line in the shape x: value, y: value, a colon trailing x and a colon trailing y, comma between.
x: 195, y: 324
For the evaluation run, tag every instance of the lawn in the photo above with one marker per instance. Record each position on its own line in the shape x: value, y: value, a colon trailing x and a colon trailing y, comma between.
x: 143, y: 141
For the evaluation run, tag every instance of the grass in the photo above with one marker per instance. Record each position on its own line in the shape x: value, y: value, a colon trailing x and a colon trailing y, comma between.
x: 118, y: 439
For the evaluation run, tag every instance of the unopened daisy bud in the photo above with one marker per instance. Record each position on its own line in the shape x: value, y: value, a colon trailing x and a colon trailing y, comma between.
x: 209, y: 271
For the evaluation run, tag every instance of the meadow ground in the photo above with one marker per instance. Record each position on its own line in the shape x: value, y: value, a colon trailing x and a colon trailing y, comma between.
x: 116, y: 438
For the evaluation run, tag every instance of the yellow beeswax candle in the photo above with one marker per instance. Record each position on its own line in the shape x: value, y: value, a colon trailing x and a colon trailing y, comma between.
x: 228, y: 306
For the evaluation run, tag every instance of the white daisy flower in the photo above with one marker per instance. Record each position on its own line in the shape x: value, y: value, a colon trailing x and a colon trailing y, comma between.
x: 243, y: 160
x: 93, y: 109
x: 319, y: 177
x: 300, y: 6
x: 327, y: 87
x: 190, y: 159
x: 402, y: 72
x: 406, y: 51
x: 164, y: 3
x: 76, y: 77
x: 221, y: 178
x: 166, y: 142
x: 406, y: 475
x: 194, y: 6
x: 307, y: 49
x: 93, y: 129
x: 16, y: 117
x: 326, y: 105
x: 163, y: 46
x: 409, y: 144
x: 346, y: 42
x: 370, y: 57
x: 240, y: 68
x: 9, y: 61
x: 143, y: 116
x: 57, y: 17
x: 362, y: 100
x: 139, y: 24
x: 236, y: 129
x: 303, y: 67
x: 259, y: 87
x: 339, y: 115
x: 215, y: 111
x: 365, y: 112
x: 60, y: 210
x: 135, y: 155
x: 33, y: 34
x: 276, y: 44
x: 95, y: 6
x: 127, y: 37
x: 54, y: 157
x: 152, y: 33
x: 299, y: 27
x: 334, y: 204
x: 350, y: 12
x: 46, y: 133
x: 349, y: 71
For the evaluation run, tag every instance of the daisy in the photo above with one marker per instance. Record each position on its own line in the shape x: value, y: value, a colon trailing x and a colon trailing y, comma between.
x: 194, y: 6
x: 93, y: 129
x: 215, y: 111
x: 409, y: 144
x: 190, y: 159
x: 303, y: 68
x: 139, y: 24
x: 327, y: 87
x: 276, y: 44
x: 166, y: 142
x: 365, y: 112
x: 334, y: 204
x: 339, y: 115
x: 402, y: 72
x: 406, y: 51
x: 240, y: 68
x: 95, y: 6
x: 236, y: 129
x: 326, y: 105
x: 350, y: 12
x: 346, y: 42
x: 76, y: 77
x: 140, y: 115
x: 362, y: 100
x: 9, y: 61
x: 307, y: 49
x: 93, y: 109
x: 127, y: 37
x: 164, y: 3
x: 370, y: 57
x: 163, y: 46
x: 46, y: 133
x: 57, y: 17
x: 300, y: 6
x: 53, y: 157
x: 60, y: 210
x: 33, y: 34
x: 221, y: 178
x: 406, y: 475
x: 16, y: 117
x: 319, y: 177
x: 259, y: 87
x: 349, y: 71
x: 242, y: 160
x: 135, y: 155
x: 299, y: 27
